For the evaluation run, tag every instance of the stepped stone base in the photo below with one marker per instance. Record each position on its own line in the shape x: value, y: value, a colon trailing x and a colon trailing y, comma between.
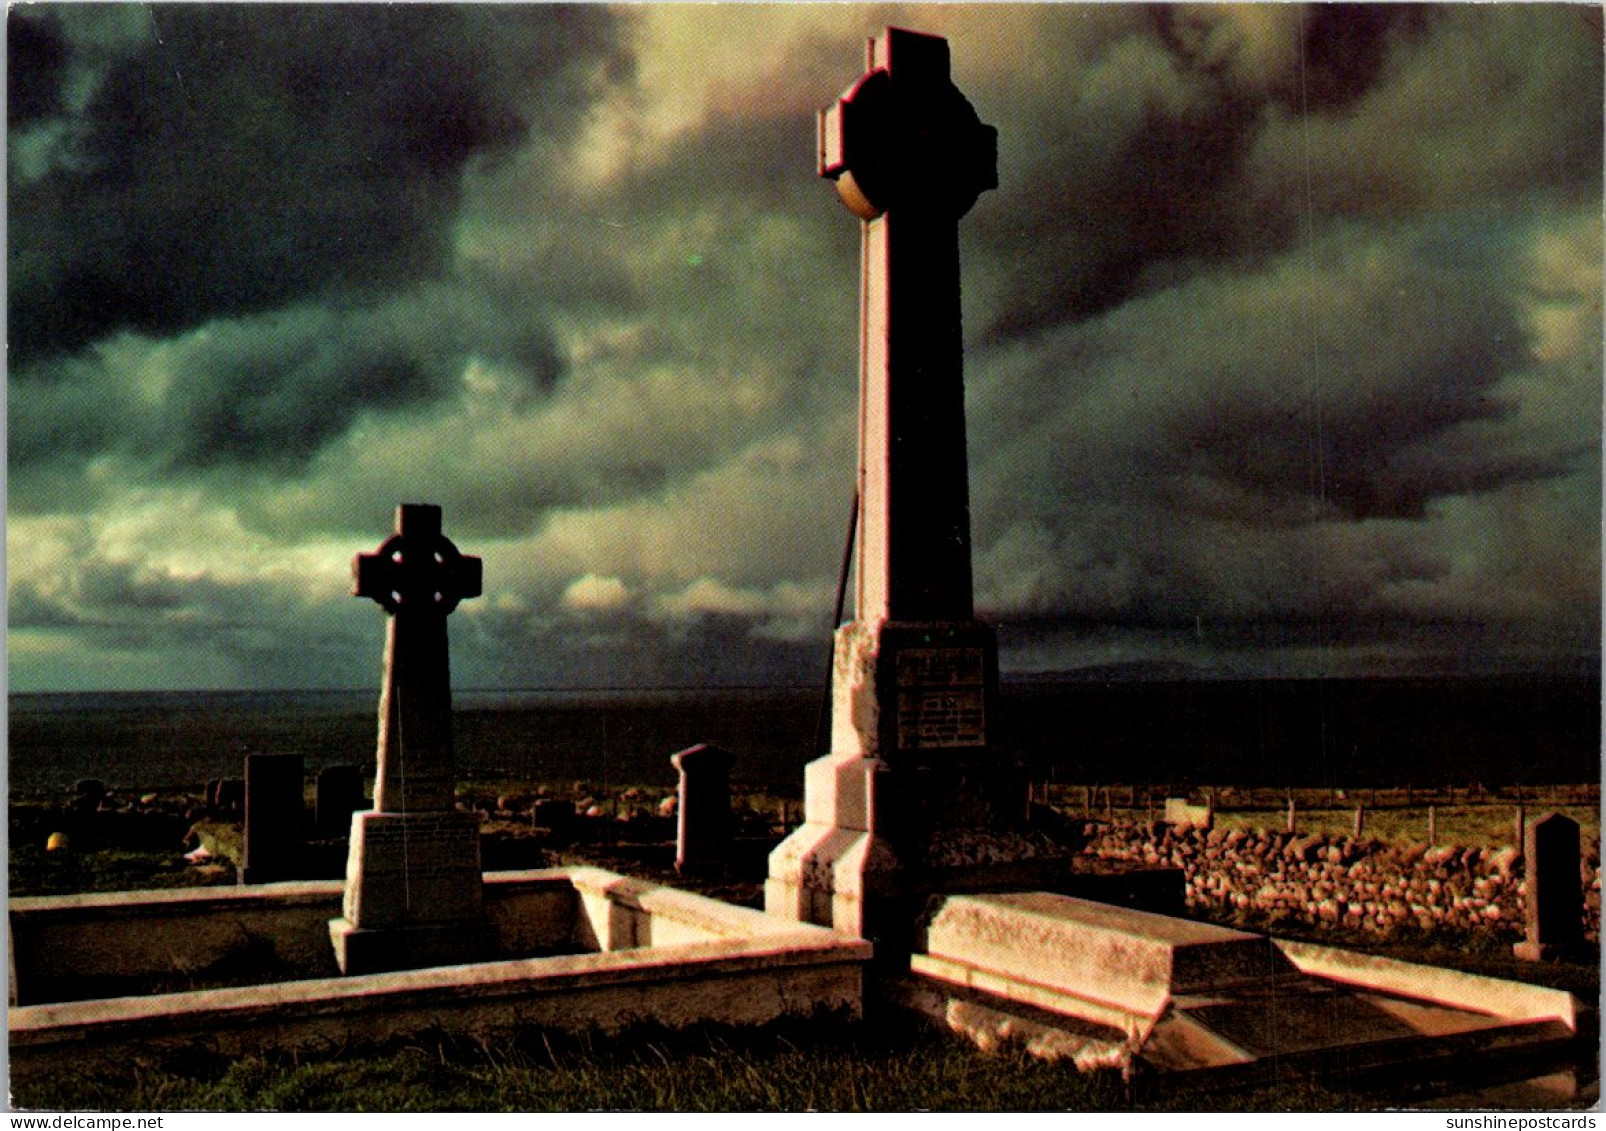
x: 411, y: 868
x: 912, y: 799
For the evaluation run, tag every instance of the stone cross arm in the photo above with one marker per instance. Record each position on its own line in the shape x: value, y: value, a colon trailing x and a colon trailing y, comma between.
x: 417, y: 568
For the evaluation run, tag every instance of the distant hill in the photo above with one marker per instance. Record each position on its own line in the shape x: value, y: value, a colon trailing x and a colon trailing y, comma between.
x: 1131, y: 671
x: 1180, y: 671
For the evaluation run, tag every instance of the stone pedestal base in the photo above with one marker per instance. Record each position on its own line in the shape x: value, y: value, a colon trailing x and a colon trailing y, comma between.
x: 841, y: 878
x: 362, y: 951
x: 413, y: 893
x: 409, y: 868
x: 911, y: 798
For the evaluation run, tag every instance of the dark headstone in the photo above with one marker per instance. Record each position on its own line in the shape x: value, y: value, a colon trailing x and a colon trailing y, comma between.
x: 339, y: 795
x: 229, y: 801
x: 704, y: 808
x: 274, y: 814
x: 87, y: 794
x: 554, y: 814
x: 1554, y: 905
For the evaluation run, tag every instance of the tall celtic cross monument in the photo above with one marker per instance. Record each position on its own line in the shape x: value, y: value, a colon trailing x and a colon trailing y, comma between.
x: 911, y: 788
x: 413, y: 894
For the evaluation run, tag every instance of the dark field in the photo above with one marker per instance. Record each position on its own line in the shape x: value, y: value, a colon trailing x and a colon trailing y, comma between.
x: 1343, y: 733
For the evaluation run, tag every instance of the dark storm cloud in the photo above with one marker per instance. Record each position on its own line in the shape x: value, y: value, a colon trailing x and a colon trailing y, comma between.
x: 226, y: 634
x: 237, y: 158
x: 1272, y: 445
x: 275, y: 394
x: 1335, y: 382
x: 36, y: 64
x: 1342, y: 50
x: 266, y: 392
x: 1171, y: 149
x: 630, y: 650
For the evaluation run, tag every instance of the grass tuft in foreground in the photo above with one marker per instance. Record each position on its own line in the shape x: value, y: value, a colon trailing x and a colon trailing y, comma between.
x: 817, y: 1065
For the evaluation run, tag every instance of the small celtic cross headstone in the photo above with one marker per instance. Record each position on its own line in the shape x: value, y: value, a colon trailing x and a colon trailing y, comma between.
x: 413, y: 884
x: 417, y: 569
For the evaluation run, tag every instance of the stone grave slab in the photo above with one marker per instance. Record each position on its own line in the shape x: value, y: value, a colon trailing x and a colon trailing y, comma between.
x: 1131, y: 963
x: 1074, y: 979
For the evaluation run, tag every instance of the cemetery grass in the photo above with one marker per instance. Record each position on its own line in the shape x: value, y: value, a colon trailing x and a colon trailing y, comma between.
x: 799, y: 1065
x: 897, y: 1063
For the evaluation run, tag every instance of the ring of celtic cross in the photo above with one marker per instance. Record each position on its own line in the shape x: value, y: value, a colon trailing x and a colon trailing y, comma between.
x: 406, y: 575
x: 918, y: 144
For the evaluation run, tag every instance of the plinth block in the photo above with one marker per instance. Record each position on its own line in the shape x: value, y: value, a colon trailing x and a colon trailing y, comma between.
x: 413, y: 868
x: 836, y: 792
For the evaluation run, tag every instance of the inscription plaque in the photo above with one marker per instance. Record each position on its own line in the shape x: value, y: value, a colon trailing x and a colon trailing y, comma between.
x: 941, y: 698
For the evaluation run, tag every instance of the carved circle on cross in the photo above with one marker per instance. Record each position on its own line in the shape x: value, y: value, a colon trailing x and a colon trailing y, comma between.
x: 411, y: 574
x: 919, y: 144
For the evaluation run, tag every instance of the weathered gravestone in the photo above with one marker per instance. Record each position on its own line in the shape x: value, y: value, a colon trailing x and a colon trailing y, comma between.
x: 413, y: 881
x: 87, y: 794
x: 912, y: 794
x: 339, y: 795
x: 1554, y: 906
x: 275, y: 812
x: 230, y: 800
x: 553, y: 813
x: 703, y: 802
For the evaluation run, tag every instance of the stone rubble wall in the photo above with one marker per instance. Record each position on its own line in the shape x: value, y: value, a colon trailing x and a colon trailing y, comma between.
x: 1338, y: 882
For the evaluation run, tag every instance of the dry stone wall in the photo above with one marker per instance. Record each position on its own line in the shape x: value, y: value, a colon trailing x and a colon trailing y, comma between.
x: 1340, y: 882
